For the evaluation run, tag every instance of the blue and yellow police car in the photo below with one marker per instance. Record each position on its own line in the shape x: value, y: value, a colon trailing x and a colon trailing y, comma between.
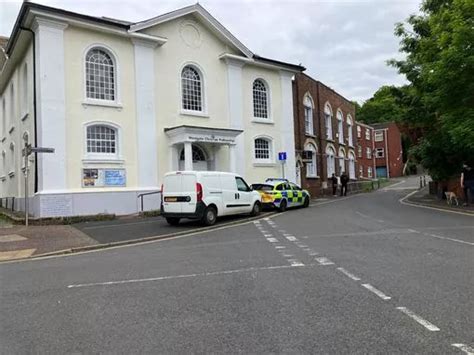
x: 282, y: 194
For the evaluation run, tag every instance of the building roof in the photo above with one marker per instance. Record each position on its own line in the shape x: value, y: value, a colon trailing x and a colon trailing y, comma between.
x: 381, y: 125
x: 329, y: 88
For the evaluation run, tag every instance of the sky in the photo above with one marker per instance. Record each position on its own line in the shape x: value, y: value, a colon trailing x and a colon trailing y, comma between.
x: 343, y: 43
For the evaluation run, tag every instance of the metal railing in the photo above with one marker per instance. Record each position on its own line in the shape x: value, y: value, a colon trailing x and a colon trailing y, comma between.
x: 4, y: 203
x: 140, y: 196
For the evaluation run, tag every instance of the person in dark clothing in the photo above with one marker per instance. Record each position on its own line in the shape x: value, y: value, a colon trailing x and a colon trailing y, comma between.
x: 344, y: 181
x: 467, y: 183
x: 334, y: 184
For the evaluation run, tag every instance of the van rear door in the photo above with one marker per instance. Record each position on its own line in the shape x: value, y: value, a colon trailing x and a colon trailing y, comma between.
x: 189, y: 191
x: 179, y: 193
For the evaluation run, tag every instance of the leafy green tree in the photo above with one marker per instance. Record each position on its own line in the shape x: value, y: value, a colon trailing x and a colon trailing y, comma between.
x: 439, y: 48
x: 384, y: 106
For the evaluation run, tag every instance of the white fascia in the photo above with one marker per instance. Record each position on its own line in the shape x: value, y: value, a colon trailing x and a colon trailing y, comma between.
x: 244, y: 60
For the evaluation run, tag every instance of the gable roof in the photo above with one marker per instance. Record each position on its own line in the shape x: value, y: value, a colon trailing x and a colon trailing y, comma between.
x: 203, y: 15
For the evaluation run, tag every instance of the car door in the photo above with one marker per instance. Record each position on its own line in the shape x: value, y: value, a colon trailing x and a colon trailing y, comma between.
x: 244, y: 194
x: 297, y: 195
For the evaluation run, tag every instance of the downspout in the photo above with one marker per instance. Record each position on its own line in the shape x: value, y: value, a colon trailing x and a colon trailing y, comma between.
x: 34, y: 102
x: 386, y: 154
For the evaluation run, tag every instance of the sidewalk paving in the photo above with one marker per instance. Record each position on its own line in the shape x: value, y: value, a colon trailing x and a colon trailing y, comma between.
x: 422, y: 197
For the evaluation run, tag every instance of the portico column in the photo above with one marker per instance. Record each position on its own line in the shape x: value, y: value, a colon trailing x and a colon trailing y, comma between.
x: 188, y: 156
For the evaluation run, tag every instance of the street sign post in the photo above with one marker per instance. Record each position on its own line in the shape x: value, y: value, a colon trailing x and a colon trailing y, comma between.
x: 282, y: 159
x: 26, y: 152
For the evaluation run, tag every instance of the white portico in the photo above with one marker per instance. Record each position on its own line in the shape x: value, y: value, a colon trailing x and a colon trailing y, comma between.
x: 201, y: 148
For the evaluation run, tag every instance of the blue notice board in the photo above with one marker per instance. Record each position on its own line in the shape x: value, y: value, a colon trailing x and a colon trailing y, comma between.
x: 282, y: 156
x: 114, y: 177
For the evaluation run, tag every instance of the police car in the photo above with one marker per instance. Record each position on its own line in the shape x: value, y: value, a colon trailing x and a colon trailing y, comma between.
x: 282, y: 194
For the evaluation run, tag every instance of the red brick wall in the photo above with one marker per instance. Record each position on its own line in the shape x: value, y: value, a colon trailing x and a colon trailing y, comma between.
x: 392, y: 145
x: 363, y: 161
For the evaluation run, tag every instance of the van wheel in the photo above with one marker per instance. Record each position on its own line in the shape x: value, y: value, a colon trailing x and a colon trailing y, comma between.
x: 174, y: 221
x: 283, y: 205
x: 257, y: 208
x: 306, y: 202
x: 209, y: 217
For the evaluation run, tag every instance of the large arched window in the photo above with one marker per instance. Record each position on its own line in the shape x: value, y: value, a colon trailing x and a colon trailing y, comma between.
x: 330, y: 159
x: 260, y: 99
x: 308, y: 115
x: 328, y: 120
x: 341, y: 158
x: 101, y: 83
x: 350, y: 137
x: 312, y: 167
x: 263, y: 152
x: 102, y: 140
x: 340, y: 128
x: 352, y: 174
x: 191, y: 89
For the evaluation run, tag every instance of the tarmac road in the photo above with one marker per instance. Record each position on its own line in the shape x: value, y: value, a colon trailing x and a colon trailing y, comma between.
x: 363, y: 274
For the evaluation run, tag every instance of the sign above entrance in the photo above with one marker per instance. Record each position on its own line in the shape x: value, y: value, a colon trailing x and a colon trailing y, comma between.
x: 195, y: 134
x: 211, y: 138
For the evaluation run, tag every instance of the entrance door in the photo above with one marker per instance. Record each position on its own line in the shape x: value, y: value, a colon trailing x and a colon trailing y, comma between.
x: 200, y: 163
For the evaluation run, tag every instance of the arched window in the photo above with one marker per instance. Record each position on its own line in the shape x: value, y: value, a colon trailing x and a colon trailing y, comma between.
x: 102, y: 140
x: 263, y: 150
x: 350, y: 137
x: 308, y: 115
x: 260, y: 99
x: 340, y: 129
x: 191, y: 89
x: 352, y: 174
x: 312, y: 167
x: 342, y: 164
x: 328, y: 120
x: 198, y: 154
x: 330, y: 159
x: 100, y: 75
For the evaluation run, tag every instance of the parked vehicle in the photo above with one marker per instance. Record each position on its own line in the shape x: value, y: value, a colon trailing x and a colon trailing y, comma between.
x: 206, y: 195
x: 282, y: 194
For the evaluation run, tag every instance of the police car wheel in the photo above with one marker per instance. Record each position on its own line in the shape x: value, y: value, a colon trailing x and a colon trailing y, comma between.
x: 209, y: 217
x: 306, y: 202
x: 257, y: 208
x: 283, y: 206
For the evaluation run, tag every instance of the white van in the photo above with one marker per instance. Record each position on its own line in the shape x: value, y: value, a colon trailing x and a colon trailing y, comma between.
x: 206, y: 195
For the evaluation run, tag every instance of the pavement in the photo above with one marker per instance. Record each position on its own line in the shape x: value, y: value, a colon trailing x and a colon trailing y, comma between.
x: 362, y: 274
x: 423, y: 198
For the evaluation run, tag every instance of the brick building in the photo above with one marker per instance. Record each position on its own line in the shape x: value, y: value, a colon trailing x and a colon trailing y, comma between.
x: 324, y: 125
x: 365, y: 148
x: 388, y: 150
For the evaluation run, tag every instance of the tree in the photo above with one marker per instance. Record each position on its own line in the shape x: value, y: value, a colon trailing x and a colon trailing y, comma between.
x: 439, y: 64
x: 384, y: 106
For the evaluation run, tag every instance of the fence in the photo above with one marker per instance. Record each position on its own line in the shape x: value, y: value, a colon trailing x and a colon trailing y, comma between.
x: 8, y: 203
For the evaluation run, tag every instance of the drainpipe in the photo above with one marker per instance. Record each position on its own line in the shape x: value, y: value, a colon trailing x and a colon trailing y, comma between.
x: 34, y: 101
x: 386, y: 154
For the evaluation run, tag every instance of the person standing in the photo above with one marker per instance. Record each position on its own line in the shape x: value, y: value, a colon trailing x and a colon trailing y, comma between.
x: 334, y: 184
x: 344, y: 181
x: 467, y: 183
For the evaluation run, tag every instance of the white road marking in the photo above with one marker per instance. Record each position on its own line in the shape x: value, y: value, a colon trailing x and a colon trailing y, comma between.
x: 451, y: 239
x: 215, y: 273
x: 295, y: 262
x: 268, y: 235
x: 313, y: 253
x: 280, y: 246
x: 287, y: 255
x: 272, y: 240
x: 466, y: 348
x: 302, y: 245
x: 307, y: 250
x: 423, y: 322
x: 324, y: 261
x: 266, y: 219
x: 376, y: 291
x: 348, y: 274
x: 291, y: 239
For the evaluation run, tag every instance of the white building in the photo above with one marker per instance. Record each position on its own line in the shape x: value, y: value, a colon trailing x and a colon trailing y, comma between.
x: 122, y: 103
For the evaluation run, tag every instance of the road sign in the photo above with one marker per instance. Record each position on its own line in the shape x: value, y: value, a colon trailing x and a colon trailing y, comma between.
x: 282, y: 156
x: 42, y: 150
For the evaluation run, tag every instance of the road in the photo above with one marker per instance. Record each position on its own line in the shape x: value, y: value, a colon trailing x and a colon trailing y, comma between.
x: 363, y: 274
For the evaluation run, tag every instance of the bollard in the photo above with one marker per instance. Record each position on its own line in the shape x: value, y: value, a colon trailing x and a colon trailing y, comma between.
x: 421, y: 183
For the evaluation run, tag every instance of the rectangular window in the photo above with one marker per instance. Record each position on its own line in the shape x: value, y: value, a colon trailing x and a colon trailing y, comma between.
x: 379, y: 152
x: 308, y: 120
x: 359, y: 132
x: 359, y: 151
x: 367, y: 134
x: 361, y: 171
x: 368, y: 152
x: 378, y: 136
x: 369, y: 172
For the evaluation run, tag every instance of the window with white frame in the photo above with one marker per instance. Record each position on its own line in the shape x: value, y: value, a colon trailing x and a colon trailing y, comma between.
x: 361, y: 171
x: 263, y: 150
x: 350, y: 137
x: 330, y: 159
x: 368, y: 153
x: 101, y: 78
x: 378, y: 136
x: 328, y: 120
x: 260, y: 99
x: 311, y: 167
x: 369, y: 172
x: 191, y: 89
x: 379, y: 152
x: 340, y: 127
x: 359, y: 132
x: 308, y: 115
x: 367, y: 134
x: 359, y: 151
x: 101, y: 140
x: 341, y: 160
x: 352, y: 172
